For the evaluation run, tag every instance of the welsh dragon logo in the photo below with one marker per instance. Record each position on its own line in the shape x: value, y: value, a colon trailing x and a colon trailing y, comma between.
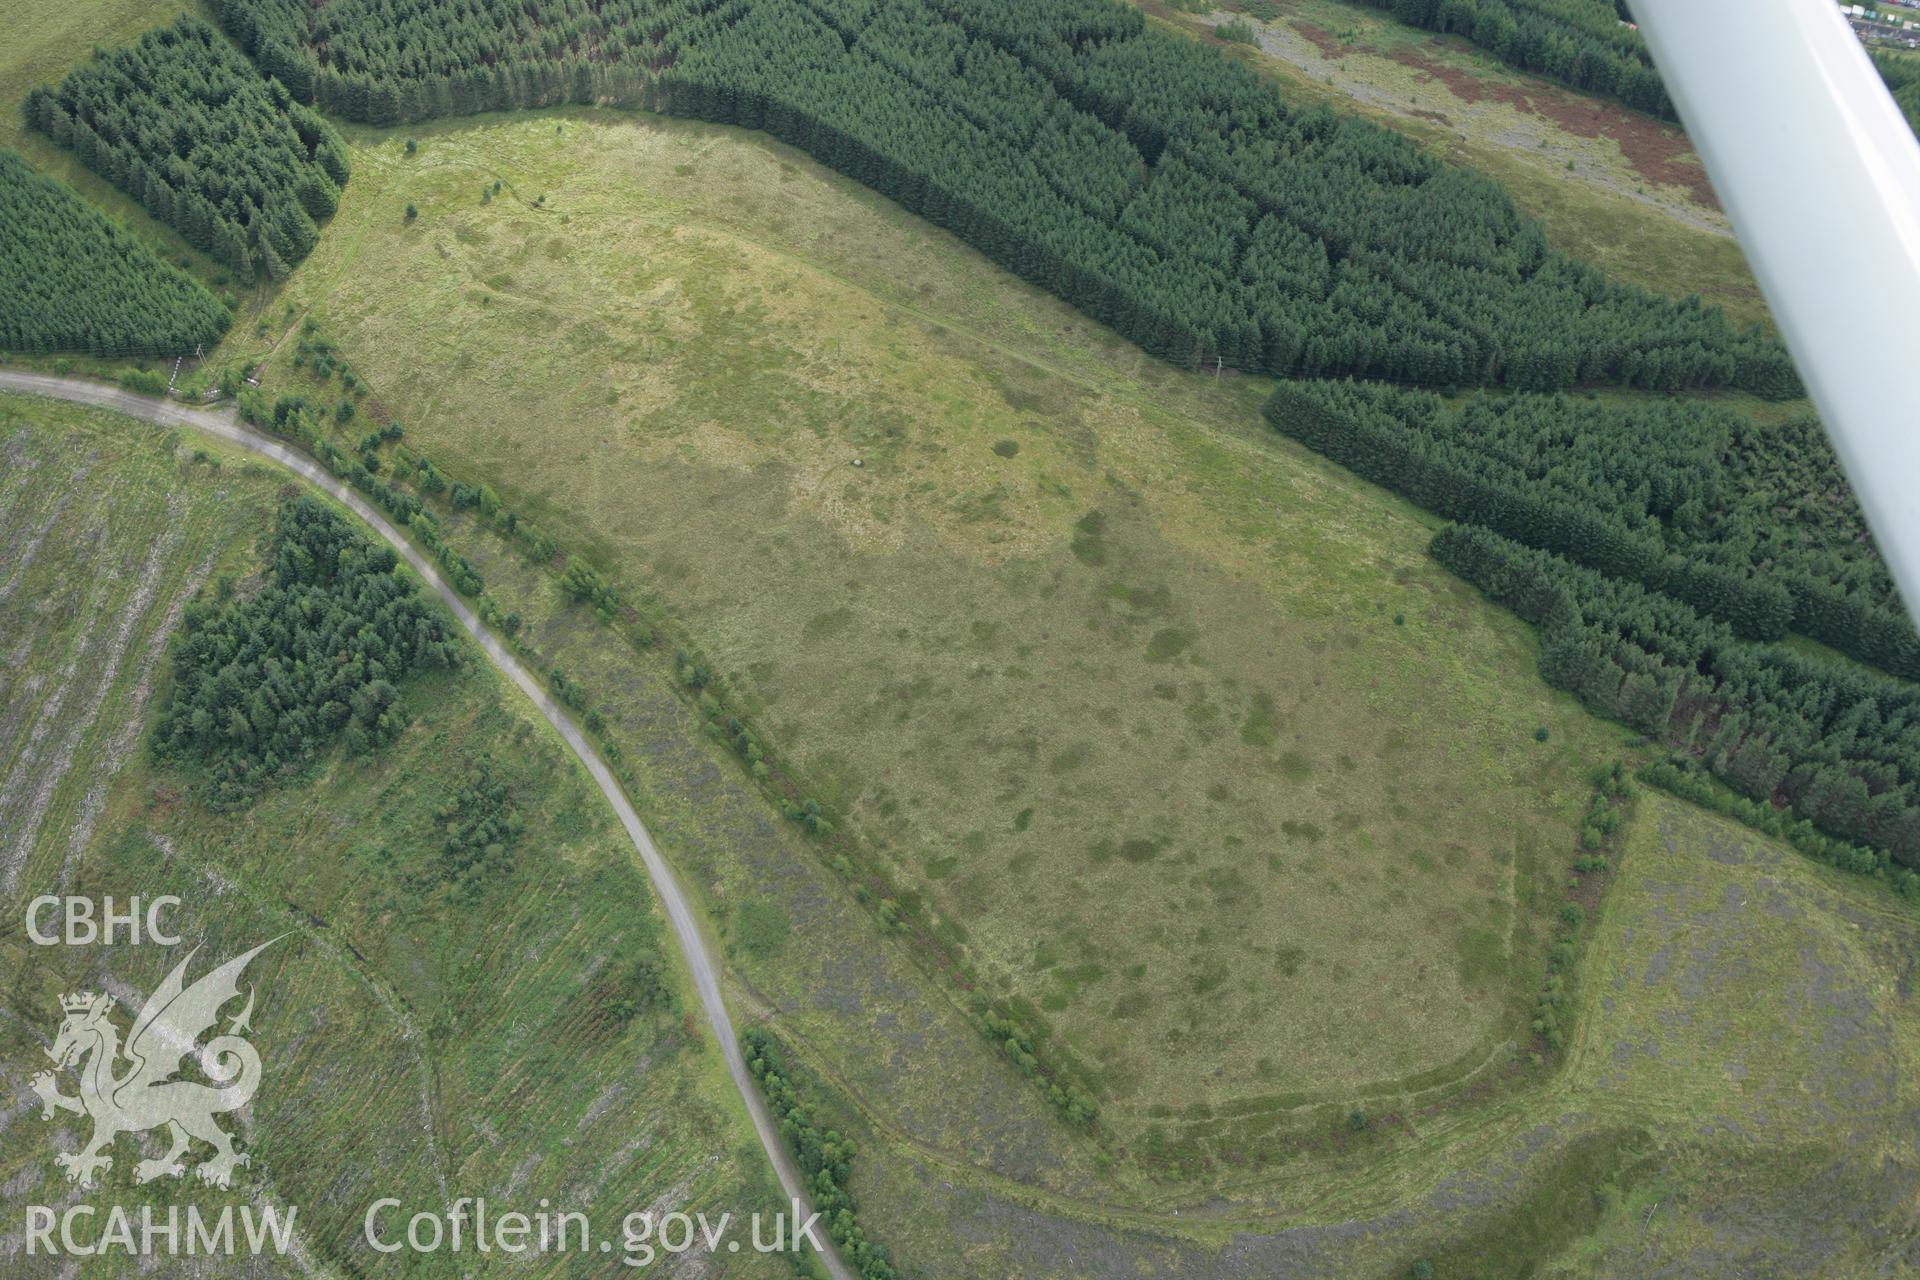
x: 145, y: 1095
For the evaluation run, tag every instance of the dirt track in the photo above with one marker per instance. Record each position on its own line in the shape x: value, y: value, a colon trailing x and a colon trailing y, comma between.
x: 226, y: 425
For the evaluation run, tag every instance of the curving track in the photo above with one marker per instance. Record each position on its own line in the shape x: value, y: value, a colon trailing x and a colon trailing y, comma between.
x: 226, y: 425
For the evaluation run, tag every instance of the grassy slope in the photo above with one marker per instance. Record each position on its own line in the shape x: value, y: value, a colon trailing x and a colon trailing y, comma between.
x: 659, y: 256
x: 1612, y: 187
x: 414, y: 1045
x: 1200, y: 731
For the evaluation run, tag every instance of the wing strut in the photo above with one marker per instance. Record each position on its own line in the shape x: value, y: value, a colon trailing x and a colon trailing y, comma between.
x: 1820, y: 174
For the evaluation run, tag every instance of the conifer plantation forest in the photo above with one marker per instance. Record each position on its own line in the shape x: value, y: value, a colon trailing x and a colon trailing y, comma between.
x: 1163, y: 190
x: 262, y: 684
x: 187, y: 126
x: 70, y: 280
x: 1583, y: 43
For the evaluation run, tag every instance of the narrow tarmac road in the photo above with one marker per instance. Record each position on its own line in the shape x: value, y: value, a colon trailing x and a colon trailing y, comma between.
x: 226, y: 425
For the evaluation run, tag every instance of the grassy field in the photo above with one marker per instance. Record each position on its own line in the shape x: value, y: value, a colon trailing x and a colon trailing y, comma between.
x: 1079, y: 649
x: 945, y: 644
x: 419, y: 1042
x: 1618, y: 189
